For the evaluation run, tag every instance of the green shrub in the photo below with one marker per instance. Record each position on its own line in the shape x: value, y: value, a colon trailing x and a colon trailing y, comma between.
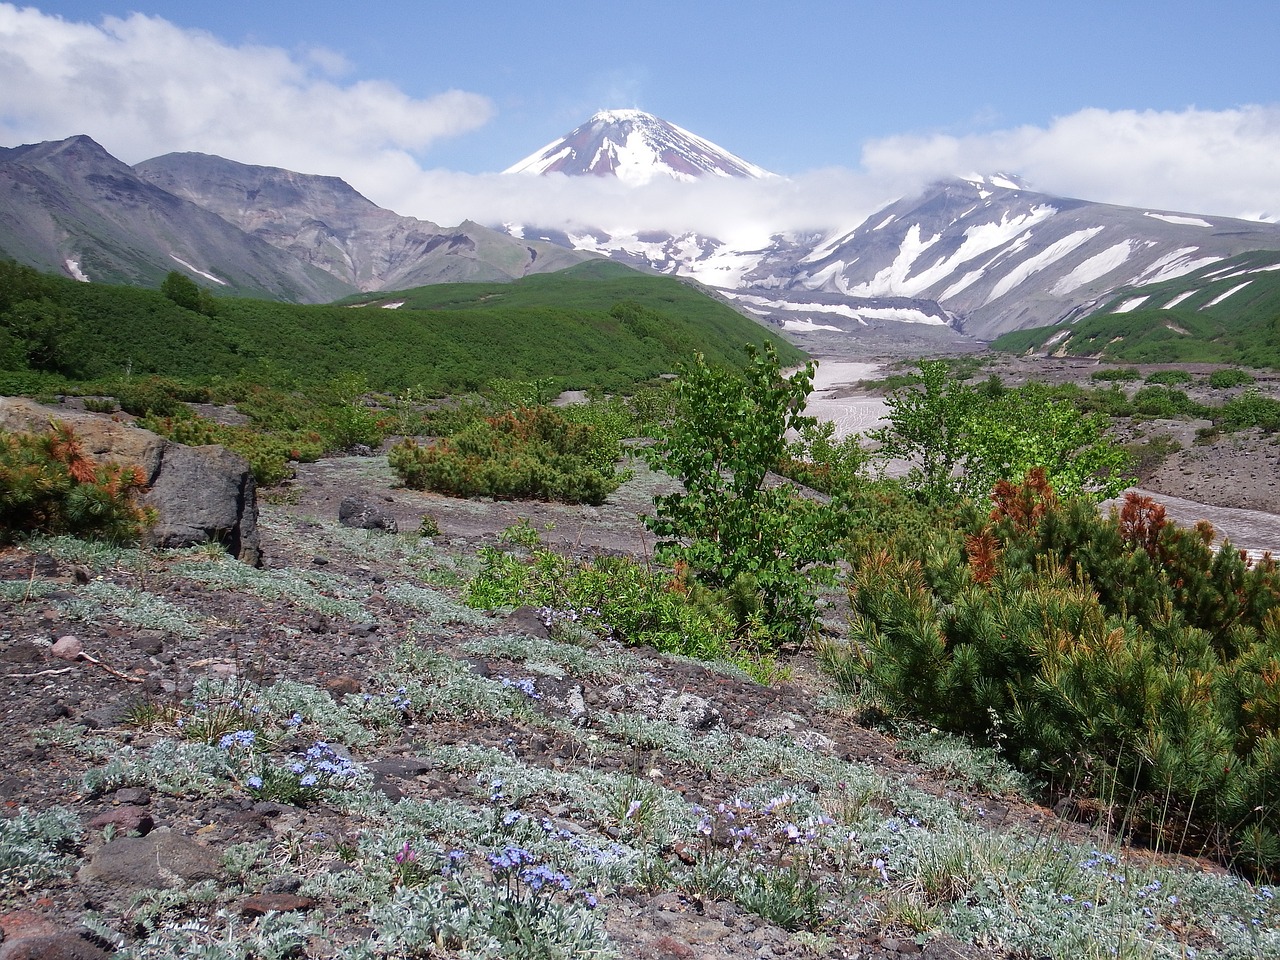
x: 961, y: 443
x: 816, y: 459
x: 1123, y: 659
x: 734, y: 533
x: 619, y: 598
x: 531, y: 453
x: 267, y: 455
x: 1121, y: 373
x: 157, y: 396
x: 1229, y: 377
x: 1169, y: 378
x: 48, y: 484
x: 1165, y: 403
x: 1249, y: 409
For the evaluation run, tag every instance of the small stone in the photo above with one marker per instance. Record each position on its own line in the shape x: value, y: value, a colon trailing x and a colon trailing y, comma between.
x: 282, y: 885
x: 126, y: 819
x: 138, y: 796
x: 264, y: 903
x: 343, y: 685
x: 67, y: 648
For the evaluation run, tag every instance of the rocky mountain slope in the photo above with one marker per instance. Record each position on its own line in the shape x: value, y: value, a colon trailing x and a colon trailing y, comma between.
x: 325, y: 223
x: 976, y: 255
x: 70, y: 207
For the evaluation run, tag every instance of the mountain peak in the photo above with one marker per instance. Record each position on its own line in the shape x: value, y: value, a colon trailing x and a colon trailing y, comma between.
x: 635, y: 147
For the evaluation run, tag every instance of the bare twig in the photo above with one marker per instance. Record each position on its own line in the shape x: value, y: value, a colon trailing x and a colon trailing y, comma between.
x: 111, y: 670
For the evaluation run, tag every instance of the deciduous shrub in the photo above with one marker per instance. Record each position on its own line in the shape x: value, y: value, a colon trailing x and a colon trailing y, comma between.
x: 961, y: 442
x: 731, y: 530
x: 530, y: 453
x: 1229, y: 377
x: 619, y: 598
x: 48, y: 484
x: 1169, y: 378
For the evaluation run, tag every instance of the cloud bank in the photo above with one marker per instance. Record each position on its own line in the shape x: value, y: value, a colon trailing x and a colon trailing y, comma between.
x: 142, y: 87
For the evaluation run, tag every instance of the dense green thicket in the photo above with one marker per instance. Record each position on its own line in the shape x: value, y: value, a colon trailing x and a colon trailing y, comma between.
x: 532, y: 453
x: 961, y: 440
x: 583, y: 330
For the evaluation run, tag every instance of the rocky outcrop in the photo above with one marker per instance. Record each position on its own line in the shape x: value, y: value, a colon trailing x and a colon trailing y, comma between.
x: 201, y: 494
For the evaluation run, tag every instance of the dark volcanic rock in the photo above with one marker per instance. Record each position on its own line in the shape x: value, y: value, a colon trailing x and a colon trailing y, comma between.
x: 363, y: 514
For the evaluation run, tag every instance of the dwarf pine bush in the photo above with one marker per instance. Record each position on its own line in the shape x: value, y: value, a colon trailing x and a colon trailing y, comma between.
x: 532, y: 453
x: 49, y: 484
x: 1121, y: 659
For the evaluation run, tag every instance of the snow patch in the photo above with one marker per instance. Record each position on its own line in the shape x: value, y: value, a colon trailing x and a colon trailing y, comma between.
x: 961, y: 284
x: 1217, y: 300
x: 1179, y: 298
x: 1099, y: 265
x: 1033, y: 265
x: 861, y: 314
x: 1133, y: 303
x: 394, y: 305
x: 896, y: 280
x: 1182, y: 221
x: 73, y: 268
x: 197, y: 270
x: 1177, y: 263
x: 807, y: 326
x: 885, y: 222
x: 999, y: 181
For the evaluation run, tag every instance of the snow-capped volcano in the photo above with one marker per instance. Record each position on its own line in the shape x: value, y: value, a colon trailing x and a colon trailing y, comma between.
x: 635, y: 147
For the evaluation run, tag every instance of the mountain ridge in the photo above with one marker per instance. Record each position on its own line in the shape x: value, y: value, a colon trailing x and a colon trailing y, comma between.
x: 327, y: 222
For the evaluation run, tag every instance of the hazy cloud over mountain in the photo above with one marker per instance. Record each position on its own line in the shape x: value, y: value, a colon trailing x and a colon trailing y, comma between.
x: 142, y: 86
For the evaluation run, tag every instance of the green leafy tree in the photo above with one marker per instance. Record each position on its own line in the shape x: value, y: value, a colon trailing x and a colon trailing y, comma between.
x: 962, y: 442
x: 182, y: 290
x: 760, y: 543
x: 1026, y: 430
x: 928, y: 428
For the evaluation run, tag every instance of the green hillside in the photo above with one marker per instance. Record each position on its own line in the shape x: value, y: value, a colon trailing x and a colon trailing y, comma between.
x: 1226, y: 312
x: 597, y: 325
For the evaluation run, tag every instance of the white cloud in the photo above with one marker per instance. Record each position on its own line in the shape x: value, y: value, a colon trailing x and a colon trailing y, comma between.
x: 142, y: 86
x: 743, y: 212
x: 1196, y: 161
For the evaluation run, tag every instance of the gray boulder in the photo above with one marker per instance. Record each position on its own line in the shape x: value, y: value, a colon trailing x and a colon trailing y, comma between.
x: 201, y: 494
x: 363, y: 514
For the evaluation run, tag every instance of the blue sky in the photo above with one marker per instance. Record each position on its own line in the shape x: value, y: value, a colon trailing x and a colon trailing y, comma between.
x: 1169, y: 104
